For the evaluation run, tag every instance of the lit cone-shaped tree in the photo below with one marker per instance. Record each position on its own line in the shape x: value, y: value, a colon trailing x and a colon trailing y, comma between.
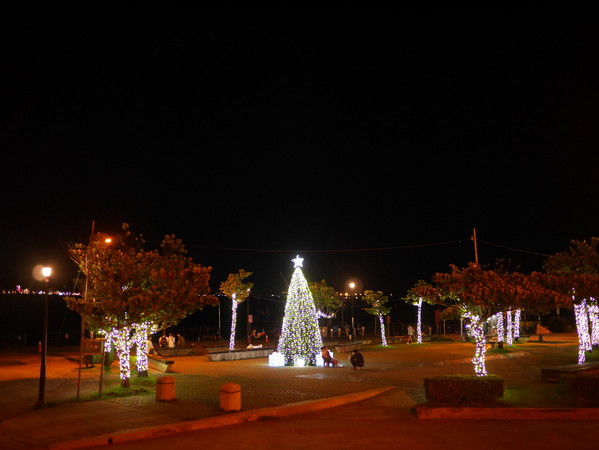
x: 300, y: 339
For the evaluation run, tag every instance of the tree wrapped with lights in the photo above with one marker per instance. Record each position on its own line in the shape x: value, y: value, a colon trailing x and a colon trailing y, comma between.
x: 576, y: 272
x: 415, y: 298
x: 500, y: 327
x: 238, y: 291
x: 509, y: 325
x: 480, y: 294
x: 327, y: 301
x: 132, y: 291
x: 300, y: 340
x: 379, y: 308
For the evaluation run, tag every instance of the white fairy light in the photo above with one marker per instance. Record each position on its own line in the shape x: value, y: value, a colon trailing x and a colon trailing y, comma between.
x: 419, y: 322
x: 517, y: 315
x: 510, y: 327
x: 500, y: 330
x: 300, y: 333
x: 476, y: 331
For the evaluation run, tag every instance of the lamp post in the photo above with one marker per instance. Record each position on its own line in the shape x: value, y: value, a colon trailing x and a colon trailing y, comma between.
x: 46, y: 272
x: 352, y: 286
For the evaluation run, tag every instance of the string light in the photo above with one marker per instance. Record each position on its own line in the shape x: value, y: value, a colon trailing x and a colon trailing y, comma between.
x: 419, y: 322
x: 582, y: 326
x: 593, y: 310
x: 476, y: 331
x: 500, y: 329
x: 517, y: 323
x: 383, y: 337
x: 233, y: 321
x: 300, y: 340
x: 510, y: 327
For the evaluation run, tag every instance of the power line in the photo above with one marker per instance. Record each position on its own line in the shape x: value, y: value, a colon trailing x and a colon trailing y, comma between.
x: 513, y: 249
x: 352, y: 250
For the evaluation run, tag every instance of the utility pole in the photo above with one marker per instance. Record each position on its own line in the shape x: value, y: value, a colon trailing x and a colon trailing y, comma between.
x: 475, y: 246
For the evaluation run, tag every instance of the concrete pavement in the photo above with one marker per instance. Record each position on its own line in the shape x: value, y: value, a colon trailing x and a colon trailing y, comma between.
x: 391, y: 374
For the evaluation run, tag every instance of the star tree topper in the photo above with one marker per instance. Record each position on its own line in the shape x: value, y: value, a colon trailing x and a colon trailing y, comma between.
x: 298, y: 261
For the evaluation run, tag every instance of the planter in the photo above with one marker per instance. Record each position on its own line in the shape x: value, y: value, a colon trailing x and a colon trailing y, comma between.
x: 463, y: 389
x: 582, y: 388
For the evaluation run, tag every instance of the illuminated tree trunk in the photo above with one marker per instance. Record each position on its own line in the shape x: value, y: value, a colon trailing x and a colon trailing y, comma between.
x: 500, y: 328
x: 510, y: 327
x: 593, y: 310
x: 233, y: 322
x: 383, y: 337
x: 517, y: 315
x: 419, y: 323
x: 476, y: 331
x: 140, y: 337
x: 582, y: 327
x: 123, y: 344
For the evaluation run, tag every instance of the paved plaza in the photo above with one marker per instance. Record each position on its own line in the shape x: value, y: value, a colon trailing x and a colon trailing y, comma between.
x: 395, y: 374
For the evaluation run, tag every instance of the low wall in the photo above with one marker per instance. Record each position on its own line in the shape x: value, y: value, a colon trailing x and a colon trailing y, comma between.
x: 231, y: 355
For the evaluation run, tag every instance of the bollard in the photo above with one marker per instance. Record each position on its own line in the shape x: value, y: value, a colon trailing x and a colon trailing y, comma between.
x: 165, y: 388
x: 230, y: 397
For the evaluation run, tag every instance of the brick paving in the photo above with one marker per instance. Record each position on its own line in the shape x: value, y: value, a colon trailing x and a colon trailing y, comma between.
x: 198, y: 382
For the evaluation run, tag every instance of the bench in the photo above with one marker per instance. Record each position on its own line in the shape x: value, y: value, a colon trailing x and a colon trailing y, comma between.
x: 394, y: 339
x: 177, y: 351
x: 160, y: 365
x: 553, y: 373
x: 232, y: 355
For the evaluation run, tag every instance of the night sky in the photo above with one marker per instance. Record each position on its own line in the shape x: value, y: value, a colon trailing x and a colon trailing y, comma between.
x: 371, y: 142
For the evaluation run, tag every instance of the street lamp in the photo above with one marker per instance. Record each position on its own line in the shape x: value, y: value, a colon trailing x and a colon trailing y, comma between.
x: 46, y: 272
x: 352, y: 286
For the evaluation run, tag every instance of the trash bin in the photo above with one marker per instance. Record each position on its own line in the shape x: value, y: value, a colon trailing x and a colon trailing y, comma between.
x: 165, y: 388
x: 230, y: 397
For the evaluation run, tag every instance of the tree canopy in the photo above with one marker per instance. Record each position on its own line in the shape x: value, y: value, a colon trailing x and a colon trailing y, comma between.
x: 128, y: 284
x: 327, y: 301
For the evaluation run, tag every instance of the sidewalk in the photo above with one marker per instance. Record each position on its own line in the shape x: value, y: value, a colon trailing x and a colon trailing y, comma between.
x: 266, y: 392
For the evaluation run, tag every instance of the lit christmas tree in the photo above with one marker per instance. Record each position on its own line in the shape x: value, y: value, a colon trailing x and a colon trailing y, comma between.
x: 300, y: 340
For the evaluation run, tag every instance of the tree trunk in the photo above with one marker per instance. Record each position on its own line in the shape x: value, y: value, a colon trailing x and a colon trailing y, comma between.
x: 233, y: 325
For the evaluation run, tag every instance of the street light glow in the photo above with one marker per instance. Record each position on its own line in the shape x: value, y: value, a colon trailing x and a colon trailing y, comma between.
x: 46, y: 271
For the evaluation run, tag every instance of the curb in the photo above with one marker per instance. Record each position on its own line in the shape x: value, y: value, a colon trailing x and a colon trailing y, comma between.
x: 217, y: 421
x: 481, y: 413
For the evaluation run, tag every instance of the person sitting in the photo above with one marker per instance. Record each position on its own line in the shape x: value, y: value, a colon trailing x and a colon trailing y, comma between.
x: 327, y: 359
x: 357, y: 360
x: 162, y: 342
x: 180, y: 341
x: 149, y: 346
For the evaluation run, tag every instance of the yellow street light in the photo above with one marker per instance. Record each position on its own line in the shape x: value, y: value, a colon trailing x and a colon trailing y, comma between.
x: 46, y: 272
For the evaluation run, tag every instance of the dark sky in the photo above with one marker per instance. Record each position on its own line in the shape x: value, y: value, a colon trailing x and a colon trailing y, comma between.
x: 372, y: 142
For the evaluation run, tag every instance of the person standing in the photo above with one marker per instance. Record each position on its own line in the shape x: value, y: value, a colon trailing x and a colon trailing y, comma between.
x: 357, y: 360
x: 410, y: 334
x: 180, y: 341
x: 171, y: 340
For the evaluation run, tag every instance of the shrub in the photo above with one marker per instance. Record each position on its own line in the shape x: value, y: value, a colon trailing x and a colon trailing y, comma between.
x: 463, y: 389
x: 582, y: 388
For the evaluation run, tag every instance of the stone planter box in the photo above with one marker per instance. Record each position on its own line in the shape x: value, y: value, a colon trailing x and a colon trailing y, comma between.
x: 582, y: 388
x: 463, y: 389
x: 232, y: 355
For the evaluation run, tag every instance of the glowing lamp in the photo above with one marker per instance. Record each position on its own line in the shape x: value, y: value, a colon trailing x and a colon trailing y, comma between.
x: 276, y: 359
